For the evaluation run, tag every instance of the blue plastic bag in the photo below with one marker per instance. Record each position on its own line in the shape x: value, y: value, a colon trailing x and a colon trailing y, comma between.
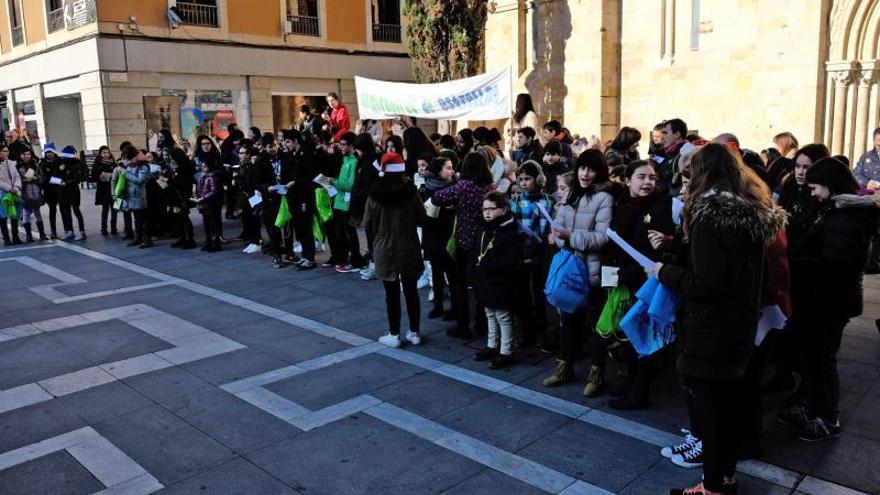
x: 650, y: 323
x: 568, y: 282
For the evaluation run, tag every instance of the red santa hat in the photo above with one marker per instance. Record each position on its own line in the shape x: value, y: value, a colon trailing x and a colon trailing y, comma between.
x: 390, y: 162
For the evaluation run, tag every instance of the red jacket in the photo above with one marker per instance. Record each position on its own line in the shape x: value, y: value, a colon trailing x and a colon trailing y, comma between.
x: 340, y: 123
x: 776, y: 287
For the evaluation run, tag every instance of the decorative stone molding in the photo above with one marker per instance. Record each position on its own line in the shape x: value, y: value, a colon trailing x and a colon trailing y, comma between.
x: 844, y: 73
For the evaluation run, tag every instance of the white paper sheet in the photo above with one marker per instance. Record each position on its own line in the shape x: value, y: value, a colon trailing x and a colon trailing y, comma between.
x: 546, y: 214
x: 610, y: 276
x: 677, y: 205
x: 642, y: 260
x: 55, y: 181
x: 771, y: 318
x: 255, y: 200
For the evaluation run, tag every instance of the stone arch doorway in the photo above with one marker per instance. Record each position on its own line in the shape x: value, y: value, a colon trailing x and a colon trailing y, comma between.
x: 852, y: 101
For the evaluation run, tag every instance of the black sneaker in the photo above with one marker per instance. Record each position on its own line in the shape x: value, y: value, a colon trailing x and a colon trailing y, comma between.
x: 277, y: 263
x: 686, y: 444
x: 795, y: 415
x: 817, y: 430
x: 692, y: 458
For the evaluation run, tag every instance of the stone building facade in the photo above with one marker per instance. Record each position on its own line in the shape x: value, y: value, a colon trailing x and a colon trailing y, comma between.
x: 752, y: 67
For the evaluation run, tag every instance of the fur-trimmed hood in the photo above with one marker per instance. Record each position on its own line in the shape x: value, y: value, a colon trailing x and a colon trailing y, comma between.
x: 724, y: 210
x: 856, y: 201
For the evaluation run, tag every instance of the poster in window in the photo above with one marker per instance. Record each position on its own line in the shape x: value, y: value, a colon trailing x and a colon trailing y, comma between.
x: 161, y: 112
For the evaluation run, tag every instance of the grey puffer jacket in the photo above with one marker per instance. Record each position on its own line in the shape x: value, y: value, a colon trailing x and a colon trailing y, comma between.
x: 588, y: 224
x: 9, y: 177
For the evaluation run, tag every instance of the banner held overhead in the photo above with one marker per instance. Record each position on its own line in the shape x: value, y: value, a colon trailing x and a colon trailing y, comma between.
x: 483, y: 97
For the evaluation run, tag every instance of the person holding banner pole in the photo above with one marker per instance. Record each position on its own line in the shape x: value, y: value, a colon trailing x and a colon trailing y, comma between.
x: 727, y: 220
x: 337, y: 118
x: 523, y: 116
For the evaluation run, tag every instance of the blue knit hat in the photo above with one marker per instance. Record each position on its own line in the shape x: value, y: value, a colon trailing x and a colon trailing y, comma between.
x: 69, y: 152
x: 49, y: 148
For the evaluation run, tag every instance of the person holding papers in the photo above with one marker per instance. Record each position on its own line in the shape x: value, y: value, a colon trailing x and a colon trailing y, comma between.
x: 583, y: 222
x: 727, y: 220
x: 267, y: 181
x: 10, y: 189
x: 52, y: 168
x: 297, y: 176
x: 32, y: 182
x: 637, y: 210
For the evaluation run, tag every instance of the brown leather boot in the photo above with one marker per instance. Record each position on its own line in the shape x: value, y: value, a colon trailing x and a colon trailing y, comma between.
x: 595, y: 382
x: 564, y: 373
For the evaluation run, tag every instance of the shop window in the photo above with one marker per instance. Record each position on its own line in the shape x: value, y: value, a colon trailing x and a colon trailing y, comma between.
x: 206, y: 111
x: 386, y: 21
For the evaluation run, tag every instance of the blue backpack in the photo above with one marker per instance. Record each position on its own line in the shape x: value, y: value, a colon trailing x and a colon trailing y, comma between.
x: 568, y: 282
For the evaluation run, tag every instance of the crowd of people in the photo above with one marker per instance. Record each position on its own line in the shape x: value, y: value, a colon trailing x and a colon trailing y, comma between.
x: 479, y: 217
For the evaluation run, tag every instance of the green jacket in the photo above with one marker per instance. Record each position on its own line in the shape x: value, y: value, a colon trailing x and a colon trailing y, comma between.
x: 345, y: 183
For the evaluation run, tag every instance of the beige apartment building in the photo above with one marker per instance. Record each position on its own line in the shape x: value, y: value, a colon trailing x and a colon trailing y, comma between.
x: 94, y: 72
x: 752, y: 67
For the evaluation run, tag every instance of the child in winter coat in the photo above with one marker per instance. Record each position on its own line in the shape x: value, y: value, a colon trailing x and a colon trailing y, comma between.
x: 525, y: 207
x: 32, y: 194
x: 496, y: 260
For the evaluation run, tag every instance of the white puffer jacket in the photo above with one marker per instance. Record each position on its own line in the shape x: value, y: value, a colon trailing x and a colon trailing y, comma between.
x: 588, y: 225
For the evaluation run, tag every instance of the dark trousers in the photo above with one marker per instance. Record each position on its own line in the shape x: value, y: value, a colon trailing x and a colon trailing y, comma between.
x: 392, y: 304
x: 275, y: 235
x: 820, y: 367
x: 140, y: 225
x: 531, y: 302
x: 108, y: 211
x: 211, y: 219
x: 53, y: 214
x: 716, y: 411
x: 68, y: 211
x: 250, y: 226
x: 461, y: 294
x: 442, y: 270
x: 874, y: 260
x: 184, y: 225
x: 574, y: 326
x: 302, y: 228
x: 750, y: 411
x: 348, y: 244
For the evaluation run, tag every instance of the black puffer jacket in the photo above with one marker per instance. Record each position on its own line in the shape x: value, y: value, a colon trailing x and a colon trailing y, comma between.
x: 837, y: 249
x: 436, y: 231
x: 721, y: 288
x: 495, y: 260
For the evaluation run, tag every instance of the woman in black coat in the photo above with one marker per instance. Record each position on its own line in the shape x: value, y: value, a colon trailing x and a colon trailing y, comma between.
x: 836, y: 251
x: 102, y: 171
x: 436, y: 232
x: 727, y: 220
x: 638, y: 210
x: 69, y: 197
x: 796, y: 198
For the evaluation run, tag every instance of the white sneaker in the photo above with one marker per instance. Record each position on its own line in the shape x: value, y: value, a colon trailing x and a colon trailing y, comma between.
x: 390, y: 340
x: 80, y: 237
x: 413, y: 337
x: 368, y: 273
x: 297, y: 247
x: 431, y: 295
x: 425, y: 278
x: 252, y: 248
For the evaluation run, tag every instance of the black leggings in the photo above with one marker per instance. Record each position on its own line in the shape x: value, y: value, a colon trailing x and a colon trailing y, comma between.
x: 717, y: 413
x: 392, y: 304
x: 67, y: 218
x: 211, y: 220
x: 53, y: 214
x: 442, y: 269
x: 107, y: 210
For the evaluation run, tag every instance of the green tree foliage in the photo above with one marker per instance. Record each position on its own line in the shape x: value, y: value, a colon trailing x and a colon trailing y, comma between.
x: 445, y: 38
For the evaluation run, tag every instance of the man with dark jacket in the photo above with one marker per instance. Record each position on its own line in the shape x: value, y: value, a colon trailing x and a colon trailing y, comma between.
x: 266, y: 178
x: 297, y: 173
x: 672, y: 134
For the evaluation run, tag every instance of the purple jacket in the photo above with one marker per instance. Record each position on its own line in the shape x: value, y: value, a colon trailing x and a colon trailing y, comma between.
x: 207, y: 190
x: 467, y: 199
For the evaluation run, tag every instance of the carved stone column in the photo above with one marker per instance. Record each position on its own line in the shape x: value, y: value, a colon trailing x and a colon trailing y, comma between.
x: 843, y: 74
x: 867, y: 78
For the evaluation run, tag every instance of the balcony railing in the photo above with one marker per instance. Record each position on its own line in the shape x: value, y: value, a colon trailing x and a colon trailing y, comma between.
x: 55, y: 20
x: 388, y: 33
x: 17, y: 35
x: 198, y: 14
x: 305, y: 25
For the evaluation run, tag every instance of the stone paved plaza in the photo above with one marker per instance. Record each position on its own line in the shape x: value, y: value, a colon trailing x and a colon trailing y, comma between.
x: 131, y: 371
